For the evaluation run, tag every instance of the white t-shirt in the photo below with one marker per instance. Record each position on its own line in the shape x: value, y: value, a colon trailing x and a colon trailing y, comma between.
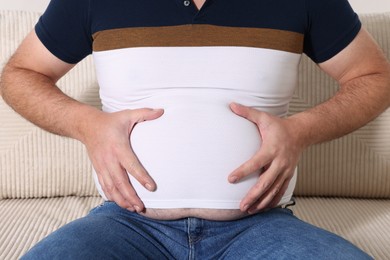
x: 191, y: 150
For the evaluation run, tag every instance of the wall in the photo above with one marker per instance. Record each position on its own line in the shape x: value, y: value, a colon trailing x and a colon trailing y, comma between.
x: 361, y: 6
x: 370, y: 6
x: 33, y: 5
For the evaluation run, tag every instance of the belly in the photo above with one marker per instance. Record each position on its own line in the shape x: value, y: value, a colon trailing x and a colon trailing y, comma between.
x: 190, y: 152
x: 209, y: 214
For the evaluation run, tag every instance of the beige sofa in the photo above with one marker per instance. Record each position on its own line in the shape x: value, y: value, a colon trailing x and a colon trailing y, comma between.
x: 45, y: 180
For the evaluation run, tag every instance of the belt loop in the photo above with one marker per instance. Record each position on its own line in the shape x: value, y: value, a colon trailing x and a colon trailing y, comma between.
x: 291, y: 203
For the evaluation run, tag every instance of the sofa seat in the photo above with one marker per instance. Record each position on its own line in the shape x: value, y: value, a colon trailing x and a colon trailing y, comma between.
x: 364, y: 222
x: 23, y: 222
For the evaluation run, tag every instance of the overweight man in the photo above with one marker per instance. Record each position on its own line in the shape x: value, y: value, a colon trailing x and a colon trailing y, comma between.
x: 193, y: 151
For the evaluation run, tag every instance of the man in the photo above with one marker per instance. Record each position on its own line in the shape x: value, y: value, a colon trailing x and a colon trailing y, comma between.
x: 193, y: 151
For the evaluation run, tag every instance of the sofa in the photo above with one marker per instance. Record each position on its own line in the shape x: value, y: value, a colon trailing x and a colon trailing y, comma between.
x: 46, y: 181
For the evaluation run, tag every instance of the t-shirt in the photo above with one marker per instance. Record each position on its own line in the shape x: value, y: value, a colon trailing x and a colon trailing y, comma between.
x: 193, y: 63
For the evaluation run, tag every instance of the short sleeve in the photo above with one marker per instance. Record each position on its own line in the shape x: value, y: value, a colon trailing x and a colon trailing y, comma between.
x: 332, y: 25
x: 64, y: 29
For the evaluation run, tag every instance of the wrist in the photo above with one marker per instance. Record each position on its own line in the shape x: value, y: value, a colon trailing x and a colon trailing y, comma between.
x: 300, y: 131
x: 85, y: 120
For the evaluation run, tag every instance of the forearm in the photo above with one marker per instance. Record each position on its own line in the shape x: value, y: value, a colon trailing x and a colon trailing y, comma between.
x: 36, y: 97
x: 358, y: 101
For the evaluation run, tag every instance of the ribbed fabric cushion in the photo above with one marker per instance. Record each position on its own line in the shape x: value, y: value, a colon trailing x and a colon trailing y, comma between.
x: 34, y: 163
x: 366, y: 223
x: 24, y: 222
x: 357, y: 165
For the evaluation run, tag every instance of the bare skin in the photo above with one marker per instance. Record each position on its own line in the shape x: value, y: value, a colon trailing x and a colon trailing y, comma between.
x: 28, y: 85
x: 199, y: 3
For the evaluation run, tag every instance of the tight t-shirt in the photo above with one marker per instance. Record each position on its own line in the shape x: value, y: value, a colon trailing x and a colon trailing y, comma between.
x: 193, y: 64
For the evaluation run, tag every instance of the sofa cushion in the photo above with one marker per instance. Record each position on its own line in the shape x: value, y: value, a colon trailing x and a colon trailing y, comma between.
x: 24, y: 222
x: 357, y: 165
x: 366, y: 223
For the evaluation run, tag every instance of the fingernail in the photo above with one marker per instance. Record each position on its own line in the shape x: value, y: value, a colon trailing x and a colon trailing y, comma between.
x: 245, y: 208
x: 137, y: 208
x: 149, y: 186
x: 233, y: 179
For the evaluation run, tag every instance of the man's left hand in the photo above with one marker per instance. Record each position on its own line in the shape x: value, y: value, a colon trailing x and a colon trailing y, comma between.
x: 278, y: 157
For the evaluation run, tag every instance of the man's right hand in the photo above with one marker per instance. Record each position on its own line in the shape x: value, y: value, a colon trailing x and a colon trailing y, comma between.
x: 107, y: 139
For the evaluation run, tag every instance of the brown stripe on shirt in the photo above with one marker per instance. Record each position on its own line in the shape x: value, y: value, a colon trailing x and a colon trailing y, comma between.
x: 198, y: 35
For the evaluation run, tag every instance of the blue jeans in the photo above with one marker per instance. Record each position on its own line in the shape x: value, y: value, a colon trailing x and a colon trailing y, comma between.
x: 110, y: 232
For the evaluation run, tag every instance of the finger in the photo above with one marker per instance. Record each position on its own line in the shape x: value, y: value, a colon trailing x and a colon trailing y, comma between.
x: 105, y: 180
x: 102, y: 184
x: 105, y: 172
x: 122, y: 183
x: 264, y: 183
x: 131, y: 164
x: 99, y: 169
x: 111, y: 192
x: 144, y: 114
x: 247, y: 112
x: 276, y: 200
x: 254, y: 194
x: 253, y: 165
x: 271, y: 198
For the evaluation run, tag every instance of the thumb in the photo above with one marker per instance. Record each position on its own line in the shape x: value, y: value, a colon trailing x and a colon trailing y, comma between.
x: 144, y: 114
x: 249, y: 113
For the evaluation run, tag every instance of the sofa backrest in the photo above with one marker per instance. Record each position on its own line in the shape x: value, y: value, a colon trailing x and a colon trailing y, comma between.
x: 356, y: 165
x: 34, y: 163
